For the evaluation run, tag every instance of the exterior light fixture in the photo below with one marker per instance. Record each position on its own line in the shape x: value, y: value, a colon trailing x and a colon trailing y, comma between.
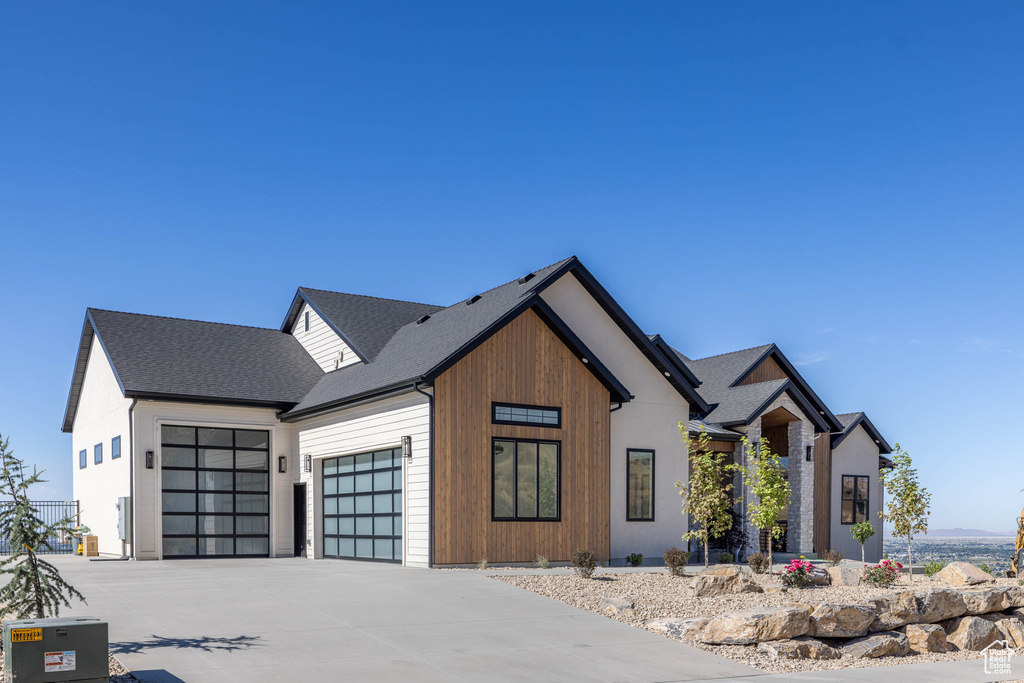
x: 810, y: 454
x: 282, y: 463
x: 149, y: 460
x: 307, y: 463
x: 406, y: 446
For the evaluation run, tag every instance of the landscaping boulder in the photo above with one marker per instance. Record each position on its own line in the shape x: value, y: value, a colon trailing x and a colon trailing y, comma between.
x: 840, y: 621
x: 724, y: 570
x: 963, y: 574
x: 798, y: 648
x: 883, y: 644
x: 818, y: 576
x: 680, y: 628
x: 988, y: 599
x: 893, y: 610
x: 926, y: 638
x: 1010, y: 628
x: 844, y: 576
x: 939, y: 604
x: 756, y: 625
x: 617, y: 606
x: 971, y: 633
x: 709, y: 585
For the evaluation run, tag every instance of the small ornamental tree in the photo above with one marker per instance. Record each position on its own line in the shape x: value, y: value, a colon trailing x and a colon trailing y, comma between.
x: 862, y: 531
x: 909, y: 502
x: 34, y: 588
x: 767, y: 480
x: 705, y: 498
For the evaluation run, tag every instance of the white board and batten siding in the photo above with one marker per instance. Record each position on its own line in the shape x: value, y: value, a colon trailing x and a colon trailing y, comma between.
x: 321, y: 342
x: 376, y: 426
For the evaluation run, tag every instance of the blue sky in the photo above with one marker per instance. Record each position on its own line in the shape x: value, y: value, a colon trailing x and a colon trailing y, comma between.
x: 844, y: 180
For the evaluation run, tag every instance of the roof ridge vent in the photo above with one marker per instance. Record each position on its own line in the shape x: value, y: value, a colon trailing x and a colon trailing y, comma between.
x: 422, y: 319
x: 472, y: 300
x: 526, y: 278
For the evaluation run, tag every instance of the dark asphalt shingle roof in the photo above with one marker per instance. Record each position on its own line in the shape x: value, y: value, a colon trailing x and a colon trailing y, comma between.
x: 366, y: 322
x: 850, y: 421
x: 415, y: 349
x: 722, y: 370
x: 157, y: 355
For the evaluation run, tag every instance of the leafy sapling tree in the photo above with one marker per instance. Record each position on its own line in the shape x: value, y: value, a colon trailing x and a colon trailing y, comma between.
x: 862, y: 531
x: 34, y: 588
x: 909, y: 502
x: 767, y: 480
x: 705, y: 497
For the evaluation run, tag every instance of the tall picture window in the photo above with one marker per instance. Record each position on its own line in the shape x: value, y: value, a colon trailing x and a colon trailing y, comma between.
x: 639, y: 485
x: 855, y: 499
x: 526, y: 480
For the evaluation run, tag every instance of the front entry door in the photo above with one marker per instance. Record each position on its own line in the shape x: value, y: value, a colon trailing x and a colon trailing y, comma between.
x: 299, y: 497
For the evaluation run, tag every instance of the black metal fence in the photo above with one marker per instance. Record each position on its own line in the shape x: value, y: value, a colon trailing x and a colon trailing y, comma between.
x: 50, y: 511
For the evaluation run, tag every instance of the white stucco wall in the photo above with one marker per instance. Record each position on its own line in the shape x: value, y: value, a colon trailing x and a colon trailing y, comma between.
x: 650, y: 421
x: 856, y: 455
x: 102, y: 415
x: 321, y: 342
x: 149, y: 416
x: 374, y: 426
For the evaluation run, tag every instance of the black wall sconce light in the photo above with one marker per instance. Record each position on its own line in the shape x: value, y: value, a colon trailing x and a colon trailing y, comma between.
x: 282, y: 463
x: 307, y: 463
x: 810, y: 454
x: 149, y: 460
x: 406, y: 446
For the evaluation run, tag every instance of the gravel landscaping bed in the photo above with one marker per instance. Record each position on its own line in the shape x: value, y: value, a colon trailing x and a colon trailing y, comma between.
x: 659, y: 595
x: 118, y: 674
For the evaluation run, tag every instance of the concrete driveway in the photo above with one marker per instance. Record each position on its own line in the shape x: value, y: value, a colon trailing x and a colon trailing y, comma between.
x: 297, y: 620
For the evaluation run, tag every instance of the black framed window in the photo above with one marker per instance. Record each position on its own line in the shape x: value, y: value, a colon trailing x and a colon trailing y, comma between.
x: 526, y: 480
x: 216, y: 492
x: 83, y: 459
x: 115, y: 448
x: 306, y: 328
x: 362, y: 514
x: 639, y: 485
x: 97, y: 454
x: 855, y: 499
x: 529, y: 416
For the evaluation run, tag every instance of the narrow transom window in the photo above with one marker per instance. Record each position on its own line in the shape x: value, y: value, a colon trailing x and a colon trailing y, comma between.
x: 855, y: 499
x: 82, y: 459
x: 307, y: 322
x: 530, y: 416
x: 97, y: 453
x: 115, y: 448
x: 526, y: 480
x: 639, y: 485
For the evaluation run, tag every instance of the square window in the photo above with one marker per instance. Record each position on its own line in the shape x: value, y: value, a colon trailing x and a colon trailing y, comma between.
x: 525, y: 480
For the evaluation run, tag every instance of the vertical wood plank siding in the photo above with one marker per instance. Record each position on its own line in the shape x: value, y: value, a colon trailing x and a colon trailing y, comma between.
x: 765, y: 372
x: 822, y: 493
x: 522, y: 363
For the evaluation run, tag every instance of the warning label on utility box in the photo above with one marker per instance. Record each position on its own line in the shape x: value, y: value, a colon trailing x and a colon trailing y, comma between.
x: 59, y: 661
x: 26, y: 635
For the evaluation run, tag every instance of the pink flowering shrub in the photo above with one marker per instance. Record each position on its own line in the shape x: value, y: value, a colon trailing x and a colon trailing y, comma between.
x: 797, y: 573
x: 883, y: 574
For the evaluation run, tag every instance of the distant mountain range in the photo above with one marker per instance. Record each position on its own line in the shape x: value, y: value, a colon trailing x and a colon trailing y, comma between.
x: 963, y: 533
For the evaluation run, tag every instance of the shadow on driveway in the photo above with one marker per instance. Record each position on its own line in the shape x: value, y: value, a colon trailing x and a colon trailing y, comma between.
x: 203, y: 643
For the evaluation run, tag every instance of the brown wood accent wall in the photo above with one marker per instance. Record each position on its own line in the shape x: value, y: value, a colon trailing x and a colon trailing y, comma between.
x: 723, y: 446
x: 778, y: 438
x: 526, y: 363
x: 765, y: 372
x: 822, y: 493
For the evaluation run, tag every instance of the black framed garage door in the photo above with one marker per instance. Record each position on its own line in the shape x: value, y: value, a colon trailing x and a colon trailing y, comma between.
x: 216, y: 492
x: 362, y: 504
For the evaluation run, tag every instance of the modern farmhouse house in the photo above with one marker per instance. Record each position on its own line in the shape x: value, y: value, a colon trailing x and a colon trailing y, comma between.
x: 531, y: 419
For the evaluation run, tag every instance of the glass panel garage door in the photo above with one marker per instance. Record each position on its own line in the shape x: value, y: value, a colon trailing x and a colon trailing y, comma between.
x: 216, y: 499
x: 363, y: 506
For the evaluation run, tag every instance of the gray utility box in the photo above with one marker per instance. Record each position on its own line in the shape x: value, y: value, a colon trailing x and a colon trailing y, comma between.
x: 49, y: 650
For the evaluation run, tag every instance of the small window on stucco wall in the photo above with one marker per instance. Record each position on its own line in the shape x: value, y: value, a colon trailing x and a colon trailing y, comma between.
x: 855, y: 499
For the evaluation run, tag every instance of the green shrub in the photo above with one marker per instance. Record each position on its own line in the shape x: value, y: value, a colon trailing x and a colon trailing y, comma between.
x: 883, y: 574
x: 542, y: 562
x: 987, y: 568
x: 635, y: 559
x: 583, y: 562
x: 933, y: 567
x: 832, y: 556
x: 725, y: 558
x: 758, y: 562
x: 1020, y: 582
x: 676, y: 559
x: 482, y: 564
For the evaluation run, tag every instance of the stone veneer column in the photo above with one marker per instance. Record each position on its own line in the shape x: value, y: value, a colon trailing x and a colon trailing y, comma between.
x: 800, y: 536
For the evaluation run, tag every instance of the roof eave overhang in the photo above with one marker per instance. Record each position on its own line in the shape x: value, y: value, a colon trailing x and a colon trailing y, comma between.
x: 787, y: 387
x: 350, y: 401
x: 89, y: 335
x: 293, y: 314
x: 863, y: 421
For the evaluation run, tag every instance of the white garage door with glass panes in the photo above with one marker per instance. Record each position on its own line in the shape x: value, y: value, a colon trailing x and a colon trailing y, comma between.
x: 363, y: 506
x: 216, y: 499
